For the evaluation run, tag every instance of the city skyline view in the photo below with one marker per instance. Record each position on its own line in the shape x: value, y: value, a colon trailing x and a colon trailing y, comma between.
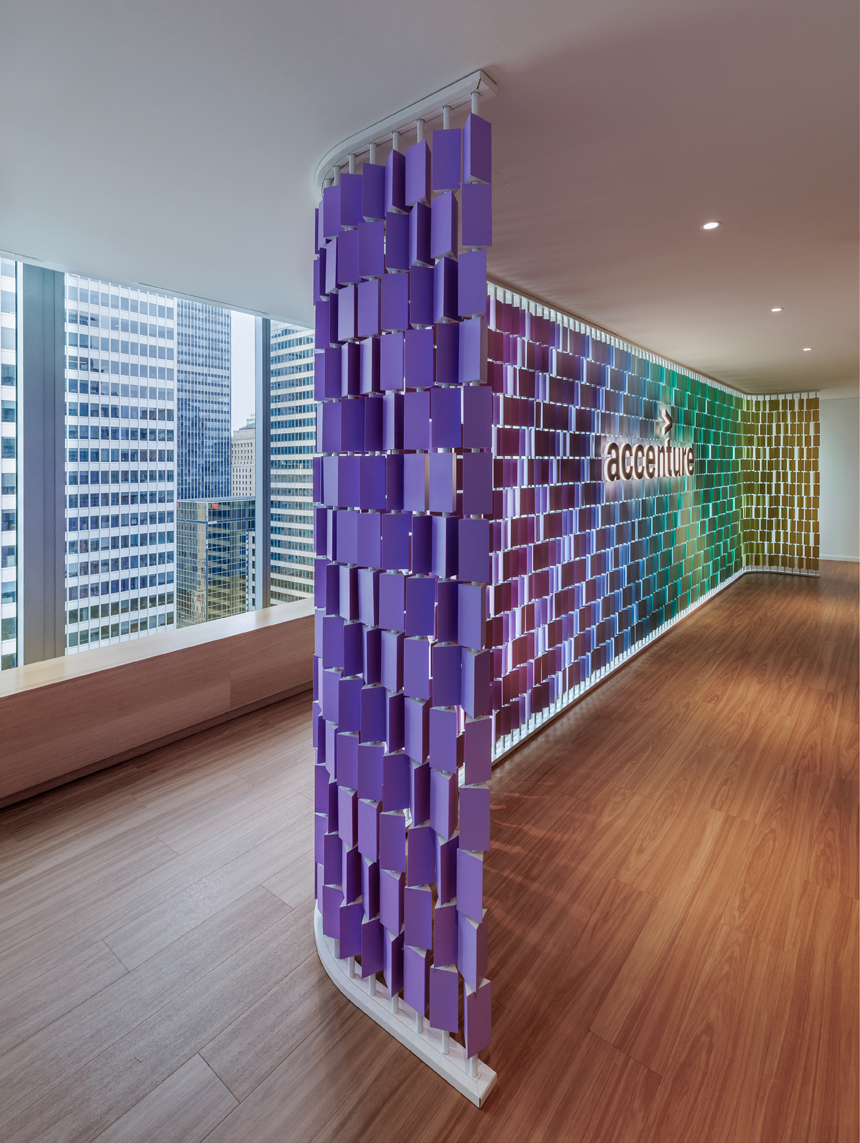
x: 155, y: 388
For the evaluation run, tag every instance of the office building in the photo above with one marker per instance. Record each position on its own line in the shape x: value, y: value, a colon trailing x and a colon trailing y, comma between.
x: 500, y: 780
x: 243, y: 459
x: 213, y: 554
x: 203, y: 400
x: 120, y: 556
x: 292, y: 428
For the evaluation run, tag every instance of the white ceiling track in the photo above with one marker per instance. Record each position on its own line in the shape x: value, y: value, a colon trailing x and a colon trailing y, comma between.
x: 456, y: 96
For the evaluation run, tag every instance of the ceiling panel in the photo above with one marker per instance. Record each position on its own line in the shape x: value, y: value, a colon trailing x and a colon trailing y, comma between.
x: 175, y: 144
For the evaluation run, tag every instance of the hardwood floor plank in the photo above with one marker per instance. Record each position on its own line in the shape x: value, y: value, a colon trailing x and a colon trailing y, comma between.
x: 61, y: 1049
x: 810, y: 1092
x: 833, y: 848
x: 330, y: 1072
x: 807, y: 831
x: 32, y: 908
x: 112, y: 1082
x: 154, y: 930
x: 220, y: 786
x: 182, y: 1109
x: 668, y: 837
x: 48, y: 948
x: 743, y: 787
x: 54, y: 993
x: 603, y: 1096
x: 255, y: 1044
x: 51, y: 810
x: 713, y: 1073
x: 192, y: 828
x: 36, y: 864
x: 294, y: 884
x: 649, y: 999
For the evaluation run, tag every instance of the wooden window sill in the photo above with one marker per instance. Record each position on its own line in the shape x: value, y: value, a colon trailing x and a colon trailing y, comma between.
x: 66, y: 717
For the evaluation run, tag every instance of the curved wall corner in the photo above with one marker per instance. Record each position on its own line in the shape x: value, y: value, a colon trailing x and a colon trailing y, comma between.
x: 445, y: 1056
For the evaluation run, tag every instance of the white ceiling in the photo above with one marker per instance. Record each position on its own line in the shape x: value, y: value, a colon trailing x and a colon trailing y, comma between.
x: 174, y: 144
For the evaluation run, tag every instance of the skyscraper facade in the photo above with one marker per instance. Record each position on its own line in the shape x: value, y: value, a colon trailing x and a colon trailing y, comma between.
x: 213, y: 557
x: 243, y: 460
x: 203, y: 400
x: 120, y: 462
x: 8, y: 466
x: 292, y: 447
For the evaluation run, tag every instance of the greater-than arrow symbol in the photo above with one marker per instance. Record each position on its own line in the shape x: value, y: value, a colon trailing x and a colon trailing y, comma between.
x: 667, y: 422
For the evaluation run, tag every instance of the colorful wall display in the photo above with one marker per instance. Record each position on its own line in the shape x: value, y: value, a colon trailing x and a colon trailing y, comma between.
x: 509, y: 504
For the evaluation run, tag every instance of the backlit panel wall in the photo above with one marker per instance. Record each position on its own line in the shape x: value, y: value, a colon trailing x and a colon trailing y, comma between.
x: 780, y: 477
x: 479, y: 561
x: 587, y: 568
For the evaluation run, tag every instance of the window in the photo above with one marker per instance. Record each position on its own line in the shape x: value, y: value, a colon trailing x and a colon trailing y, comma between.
x: 148, y: 433
x: 293, y: 434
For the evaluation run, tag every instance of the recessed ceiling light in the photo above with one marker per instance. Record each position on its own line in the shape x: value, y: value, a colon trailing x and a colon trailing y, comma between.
x: 710, y: 226
x: 776, y: 309
x: 807, y: 349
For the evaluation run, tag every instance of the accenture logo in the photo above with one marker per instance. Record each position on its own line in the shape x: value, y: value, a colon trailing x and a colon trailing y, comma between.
x: 626, y: 460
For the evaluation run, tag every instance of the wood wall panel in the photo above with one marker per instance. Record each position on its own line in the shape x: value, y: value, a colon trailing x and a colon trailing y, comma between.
x: 66, y: 716
x: 270, y: 660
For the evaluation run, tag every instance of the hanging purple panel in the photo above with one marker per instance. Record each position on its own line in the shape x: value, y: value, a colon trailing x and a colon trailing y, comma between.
x: 372, y: 191
x: 447, y: 146
x: 395, y: 184
x: 477, y: 151
x: 406, y: 559
x: 476, y: 215
x: 417, y: 173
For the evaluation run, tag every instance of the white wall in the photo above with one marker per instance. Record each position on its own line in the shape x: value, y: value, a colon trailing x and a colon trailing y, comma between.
x: 839, y: 506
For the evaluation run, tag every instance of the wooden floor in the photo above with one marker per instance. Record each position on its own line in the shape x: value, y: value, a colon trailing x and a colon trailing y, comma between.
x: 673, y: 900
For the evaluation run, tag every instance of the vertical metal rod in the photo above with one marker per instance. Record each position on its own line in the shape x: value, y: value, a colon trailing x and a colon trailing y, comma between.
x: 262, y: 464
x: 476, y: 102
x: 41, y: 463
x: 419, y: 130
x: 395, y: 140
x: 373, y: 152
x: 352, y: 162
x: 446, y: 117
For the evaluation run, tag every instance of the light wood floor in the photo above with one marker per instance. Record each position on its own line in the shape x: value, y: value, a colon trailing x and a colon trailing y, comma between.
x: 673, y: 899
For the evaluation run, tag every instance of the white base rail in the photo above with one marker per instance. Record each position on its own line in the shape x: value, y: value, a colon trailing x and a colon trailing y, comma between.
x: 471, y: 1077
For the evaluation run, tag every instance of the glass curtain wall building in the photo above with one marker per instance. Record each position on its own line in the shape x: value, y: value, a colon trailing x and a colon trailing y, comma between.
x: 214, y: 553
x: 8, y: 466
x: 203, y: 400
x: 243, y: 460
x: 293, y: 436
x: 146, y: 417
x: 120, y: 462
